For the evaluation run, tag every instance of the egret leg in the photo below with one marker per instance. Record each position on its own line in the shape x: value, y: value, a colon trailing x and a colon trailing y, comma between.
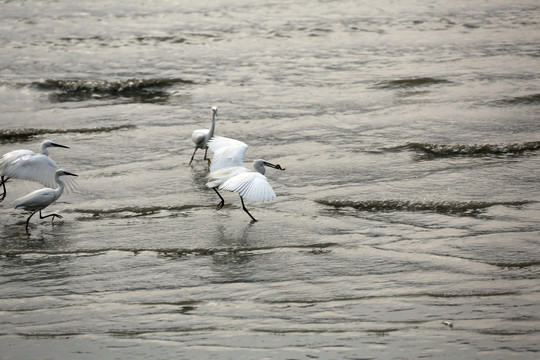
x: 222, y: 202
x: 192, y: 156
x: 46, y: 216
x: 246, y: 210
x: 205, y: 158
x: 28, y: 221
x: 3, y: 196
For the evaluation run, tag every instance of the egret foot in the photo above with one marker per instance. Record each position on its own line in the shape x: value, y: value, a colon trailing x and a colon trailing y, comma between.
x: 53, y: 216
x: 222, y: 202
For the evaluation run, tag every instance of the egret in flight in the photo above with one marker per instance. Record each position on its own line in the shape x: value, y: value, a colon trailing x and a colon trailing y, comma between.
x: 40, y: 199
x: 227, y: 172
x: 201, y: 136
x: 27, y: 165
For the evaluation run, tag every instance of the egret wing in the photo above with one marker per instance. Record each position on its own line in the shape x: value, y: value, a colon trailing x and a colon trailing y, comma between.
x: 227, y: 152
x: 250, y: 185
x: 27, y: 165
x: 221, y: 141
x: 70, y: 183
x: 39, y: 168
x: 9, y: 158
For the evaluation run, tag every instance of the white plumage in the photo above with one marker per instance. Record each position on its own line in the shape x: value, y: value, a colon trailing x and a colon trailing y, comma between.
x: 227, y: 172
x: 39, y: 199
x: 201, y: 136
x: 247, y: 183
x: 227, y: 152
x: 27, y: 165
x: 250, y: 185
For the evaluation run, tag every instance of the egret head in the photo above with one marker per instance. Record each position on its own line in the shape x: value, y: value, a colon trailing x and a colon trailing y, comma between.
x: 62, y: 172
x: 214, y: 109
x: 49, y: 143
x: 276, y: 166
x: 260, y: 164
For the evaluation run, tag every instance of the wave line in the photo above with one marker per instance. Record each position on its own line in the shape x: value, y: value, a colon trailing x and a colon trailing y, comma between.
x: 12, y: 135
x: 442, y: 150
x: 441, y: 207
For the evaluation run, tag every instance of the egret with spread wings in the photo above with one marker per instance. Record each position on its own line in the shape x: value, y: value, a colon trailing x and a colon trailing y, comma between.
x: 27, y: 165
x: 227, y: 172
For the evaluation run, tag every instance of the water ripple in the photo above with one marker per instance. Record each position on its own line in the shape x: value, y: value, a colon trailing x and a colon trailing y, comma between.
x: 136, y: 90
x: 134, y: 211
x: 533, y: 99
x: 106, y: 86
x: 433, y: 150
x: 442, y: 207
x: 410, y: 82
x: 12, y: 135
x: 167, y: 252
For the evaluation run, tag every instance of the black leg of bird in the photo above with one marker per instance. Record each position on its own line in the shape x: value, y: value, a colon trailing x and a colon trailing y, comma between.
x: 4, y: 181
x: 222, y: 202
x: 28, y: 220
x: 3, y: 196
x: 246, y: 210
x: 192, y: 156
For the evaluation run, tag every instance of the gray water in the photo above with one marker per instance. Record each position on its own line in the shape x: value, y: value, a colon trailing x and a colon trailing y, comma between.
x: 411, y: 138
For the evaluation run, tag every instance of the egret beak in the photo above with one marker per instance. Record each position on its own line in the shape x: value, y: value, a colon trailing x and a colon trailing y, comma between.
x: 70, y: 174
x: 58, y: 145
x: 277, y: 166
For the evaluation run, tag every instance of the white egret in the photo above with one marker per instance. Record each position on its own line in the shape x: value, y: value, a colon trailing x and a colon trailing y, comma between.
x: 227, y: 172
x: 39, y: 199
x: 201, y: 136
x: 27, y: 165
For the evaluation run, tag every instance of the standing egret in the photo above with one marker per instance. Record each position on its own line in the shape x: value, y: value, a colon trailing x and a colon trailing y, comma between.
x: 27, y: 165
x: 201, y: 136
x: 39, y: 199
x: 227, y: 172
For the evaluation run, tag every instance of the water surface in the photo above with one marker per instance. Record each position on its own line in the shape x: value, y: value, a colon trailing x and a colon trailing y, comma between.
x: 406, y: 224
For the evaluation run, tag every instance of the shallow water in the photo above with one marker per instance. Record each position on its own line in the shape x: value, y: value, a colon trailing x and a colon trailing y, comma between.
x: 411, y: 140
